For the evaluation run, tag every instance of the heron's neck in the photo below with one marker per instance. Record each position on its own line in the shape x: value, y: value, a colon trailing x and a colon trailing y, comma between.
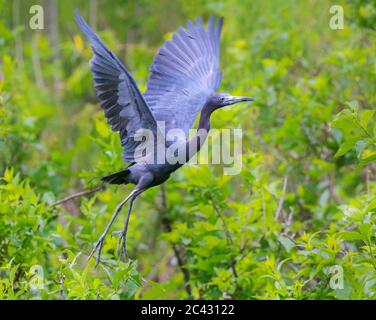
x: 194, y: 145
x: 204, y: 122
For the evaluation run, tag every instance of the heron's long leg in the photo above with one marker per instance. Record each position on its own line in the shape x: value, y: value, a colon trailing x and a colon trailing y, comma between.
x: 123, y: 237
x: 98, y: 246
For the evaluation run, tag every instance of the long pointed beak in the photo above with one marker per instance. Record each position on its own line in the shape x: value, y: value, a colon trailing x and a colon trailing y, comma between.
x: 245, y: 99
x: 235, y: 99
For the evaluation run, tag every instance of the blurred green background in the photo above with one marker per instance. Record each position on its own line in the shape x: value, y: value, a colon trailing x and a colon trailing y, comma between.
x: 303, y: 204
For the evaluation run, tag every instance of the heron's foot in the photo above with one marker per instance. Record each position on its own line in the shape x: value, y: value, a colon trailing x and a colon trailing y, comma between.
x: 122, y: 247
x: 98, y: 247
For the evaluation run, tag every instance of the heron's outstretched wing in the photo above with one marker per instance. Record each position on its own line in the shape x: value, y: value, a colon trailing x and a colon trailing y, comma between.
x: 122, y: 102
x: 184, y: 74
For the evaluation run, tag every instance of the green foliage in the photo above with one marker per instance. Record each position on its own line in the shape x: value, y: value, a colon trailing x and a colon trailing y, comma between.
x: 365, y: 13
x: 302, y: 207
x: 37, y: 259
x: 358, y: 131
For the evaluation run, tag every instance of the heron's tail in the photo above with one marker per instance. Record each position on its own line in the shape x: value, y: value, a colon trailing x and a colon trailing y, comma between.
x: 117, y: 177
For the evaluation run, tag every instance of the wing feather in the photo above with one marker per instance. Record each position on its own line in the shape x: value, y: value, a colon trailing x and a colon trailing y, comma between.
x: 124, y: 106
x: 184, y: 74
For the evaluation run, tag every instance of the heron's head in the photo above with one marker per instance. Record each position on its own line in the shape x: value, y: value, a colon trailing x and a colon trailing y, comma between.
x: 220, y: 100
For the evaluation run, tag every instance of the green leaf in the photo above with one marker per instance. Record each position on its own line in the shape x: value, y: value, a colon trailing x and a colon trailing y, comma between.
x: 286, y: 242
x: 354, y: 105
x: 350, y: 235
x: 344, y: 120
x: 365, y: 230
x: 102, y: 128
x: 346, y: 146
x: 360, y: 146
x: 367, y: 160
x: 366, y: 116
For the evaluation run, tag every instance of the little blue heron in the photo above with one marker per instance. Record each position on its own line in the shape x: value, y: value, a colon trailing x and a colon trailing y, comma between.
x: 184, y: 78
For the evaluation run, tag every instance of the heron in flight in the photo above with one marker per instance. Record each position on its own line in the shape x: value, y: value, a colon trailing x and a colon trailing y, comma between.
x: 184, y: 79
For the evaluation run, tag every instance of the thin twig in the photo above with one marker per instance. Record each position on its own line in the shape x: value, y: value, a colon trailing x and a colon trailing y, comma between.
x: 229, y: 239
x: 244, y: 228
x: 35, y: 58
x: 367, y: 176
x: 263, y: 212
x: 331, y: 187
x: 288, y: 222
x: 281, y: 200
x: 227, y: 232
x: 178, y: 251
x: 17, y: 36
x: 78, y: 194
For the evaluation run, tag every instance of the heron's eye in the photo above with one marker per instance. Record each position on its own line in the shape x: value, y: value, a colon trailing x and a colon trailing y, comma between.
x: 222, y: 99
